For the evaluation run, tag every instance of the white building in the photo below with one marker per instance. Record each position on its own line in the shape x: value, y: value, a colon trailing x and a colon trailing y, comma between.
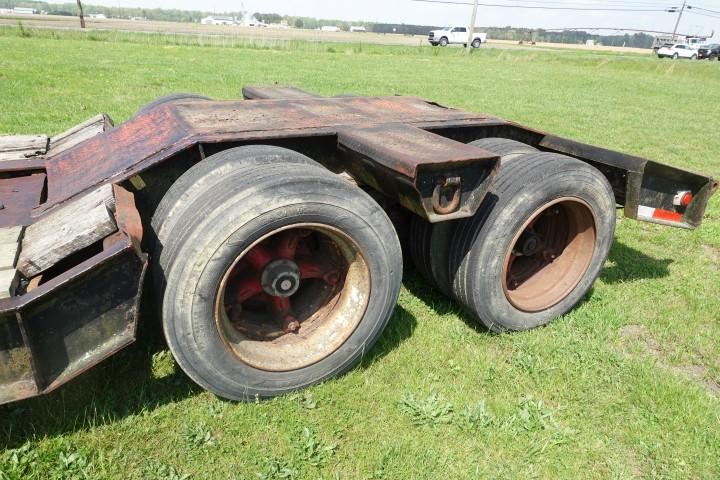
x: 328, y: 28
x: 100, y: 16
x: 24, y: 11
x: 215, y: 20
x: 360, y: 29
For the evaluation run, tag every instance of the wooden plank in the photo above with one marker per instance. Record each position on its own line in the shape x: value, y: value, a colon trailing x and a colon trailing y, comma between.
x: 9, y: 250
x: 65, y: 230
x: 20, y: 147
x: 34, y: 283
x: 79, y: 133
x: 8, y: 282
x: 9, y: 255
x: 10, y: 234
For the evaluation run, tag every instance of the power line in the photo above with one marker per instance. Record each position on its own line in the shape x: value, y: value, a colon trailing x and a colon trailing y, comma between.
x: 633, y: 3
x: 705, y: 14
x: 537, y: 7
x: 703, y: 9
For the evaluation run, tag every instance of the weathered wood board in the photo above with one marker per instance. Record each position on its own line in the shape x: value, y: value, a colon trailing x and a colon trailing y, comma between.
x: 79, y: 133
x: 9, y: 249
x: 21, y: 147
x: 64, y: 231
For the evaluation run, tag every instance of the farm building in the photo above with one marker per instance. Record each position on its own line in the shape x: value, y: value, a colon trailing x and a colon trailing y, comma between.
x: 24, y: 11
x: 328, y: 28
x: 359, y: 29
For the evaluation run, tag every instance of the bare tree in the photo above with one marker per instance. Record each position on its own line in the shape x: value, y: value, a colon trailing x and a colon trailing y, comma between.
x: 82, y: 16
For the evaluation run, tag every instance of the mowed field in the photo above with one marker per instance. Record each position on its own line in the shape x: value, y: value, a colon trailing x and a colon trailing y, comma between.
x: 270, y: 34
x: 627, y: 385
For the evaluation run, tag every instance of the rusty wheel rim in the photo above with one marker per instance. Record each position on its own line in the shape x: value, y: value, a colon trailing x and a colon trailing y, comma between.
x: 293, y: 297
x: 550, y: 254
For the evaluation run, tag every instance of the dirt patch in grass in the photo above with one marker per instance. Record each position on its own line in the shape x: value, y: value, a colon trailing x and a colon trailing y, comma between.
x: 632, y: 335
x: 640, y: 334
x: 712, y: 254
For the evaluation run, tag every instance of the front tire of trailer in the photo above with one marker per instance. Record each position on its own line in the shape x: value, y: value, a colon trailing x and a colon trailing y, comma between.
x: 343, y: 276
x: 537, y: 243
x: 476, y: 43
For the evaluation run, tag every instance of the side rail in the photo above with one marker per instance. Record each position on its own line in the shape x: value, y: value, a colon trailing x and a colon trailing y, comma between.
x: 653, y: 192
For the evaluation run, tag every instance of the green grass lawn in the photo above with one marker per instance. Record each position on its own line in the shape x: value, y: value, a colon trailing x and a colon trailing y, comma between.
x: 625, y: 386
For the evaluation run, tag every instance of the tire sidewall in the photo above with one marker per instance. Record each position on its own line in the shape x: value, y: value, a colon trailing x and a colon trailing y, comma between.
x: 499, y: 229
x: 191, y: 294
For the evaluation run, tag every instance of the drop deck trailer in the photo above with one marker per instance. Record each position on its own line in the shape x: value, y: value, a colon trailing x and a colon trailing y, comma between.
x: 266, y: 227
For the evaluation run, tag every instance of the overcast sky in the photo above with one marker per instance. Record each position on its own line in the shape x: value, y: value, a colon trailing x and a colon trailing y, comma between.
x: 407, y: 11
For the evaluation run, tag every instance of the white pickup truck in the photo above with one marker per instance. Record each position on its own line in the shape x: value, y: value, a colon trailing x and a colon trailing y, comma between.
x: 448, y: 35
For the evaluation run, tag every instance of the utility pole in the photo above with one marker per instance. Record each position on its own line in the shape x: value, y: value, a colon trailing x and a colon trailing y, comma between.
x: 682, y: 9
x: 82, y: 16
x: 471, y: 28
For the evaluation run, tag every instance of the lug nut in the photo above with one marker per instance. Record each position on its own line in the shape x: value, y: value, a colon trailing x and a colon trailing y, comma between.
x: 291, y: 324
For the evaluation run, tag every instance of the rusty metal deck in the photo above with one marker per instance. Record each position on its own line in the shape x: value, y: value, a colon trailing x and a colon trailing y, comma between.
x: 150, y: 138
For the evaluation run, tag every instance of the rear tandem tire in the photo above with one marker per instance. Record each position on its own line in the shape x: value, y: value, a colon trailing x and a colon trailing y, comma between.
x: 563, y: 207
x: 429, y: 243
x: 305, y: 221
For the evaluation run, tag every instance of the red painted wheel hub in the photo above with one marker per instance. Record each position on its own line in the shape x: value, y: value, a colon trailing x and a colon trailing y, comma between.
x: 269, y: 275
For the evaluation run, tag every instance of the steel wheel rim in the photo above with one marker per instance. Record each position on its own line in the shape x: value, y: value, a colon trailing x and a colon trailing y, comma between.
x: 292, y: 329
x: 565, y: 233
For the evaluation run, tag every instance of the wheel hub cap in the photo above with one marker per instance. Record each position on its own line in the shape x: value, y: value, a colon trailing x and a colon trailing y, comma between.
x: 280, y: 278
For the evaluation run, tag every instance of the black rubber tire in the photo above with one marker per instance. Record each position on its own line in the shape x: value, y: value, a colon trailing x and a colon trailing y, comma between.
x: 429, y: 243
x: 476, y: 43
x: 203, y: 176
x: 675, y: 56
x: 443, y: 42
x: 173, y: 97
x: 694, y: 57
x: 478, y: 248
x: 225, y: 219
x: 429, y: 246
x: 506, y: 148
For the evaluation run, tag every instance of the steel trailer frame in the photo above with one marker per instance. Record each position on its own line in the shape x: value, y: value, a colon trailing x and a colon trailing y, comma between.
x: 412, y: 151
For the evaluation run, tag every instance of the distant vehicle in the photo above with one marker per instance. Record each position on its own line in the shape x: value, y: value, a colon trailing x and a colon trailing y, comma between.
x: 690, y: 41
x: 710, y: 52
x: 448, y: 35
x: 213, y: 20
x: 677, y: 51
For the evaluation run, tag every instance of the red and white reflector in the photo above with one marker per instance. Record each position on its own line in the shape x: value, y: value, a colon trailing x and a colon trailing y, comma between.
x: 650, y: 213
x: 682, y: 198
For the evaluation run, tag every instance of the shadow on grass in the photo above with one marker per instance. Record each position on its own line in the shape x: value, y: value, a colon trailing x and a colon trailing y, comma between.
x: 400, y: 327
x: 631, y: 264
x: 437, y: 301
x: 127, y: 385
x: 124, y: 385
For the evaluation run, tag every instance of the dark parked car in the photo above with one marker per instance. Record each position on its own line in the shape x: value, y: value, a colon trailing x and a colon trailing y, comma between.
x: 709, y: 51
